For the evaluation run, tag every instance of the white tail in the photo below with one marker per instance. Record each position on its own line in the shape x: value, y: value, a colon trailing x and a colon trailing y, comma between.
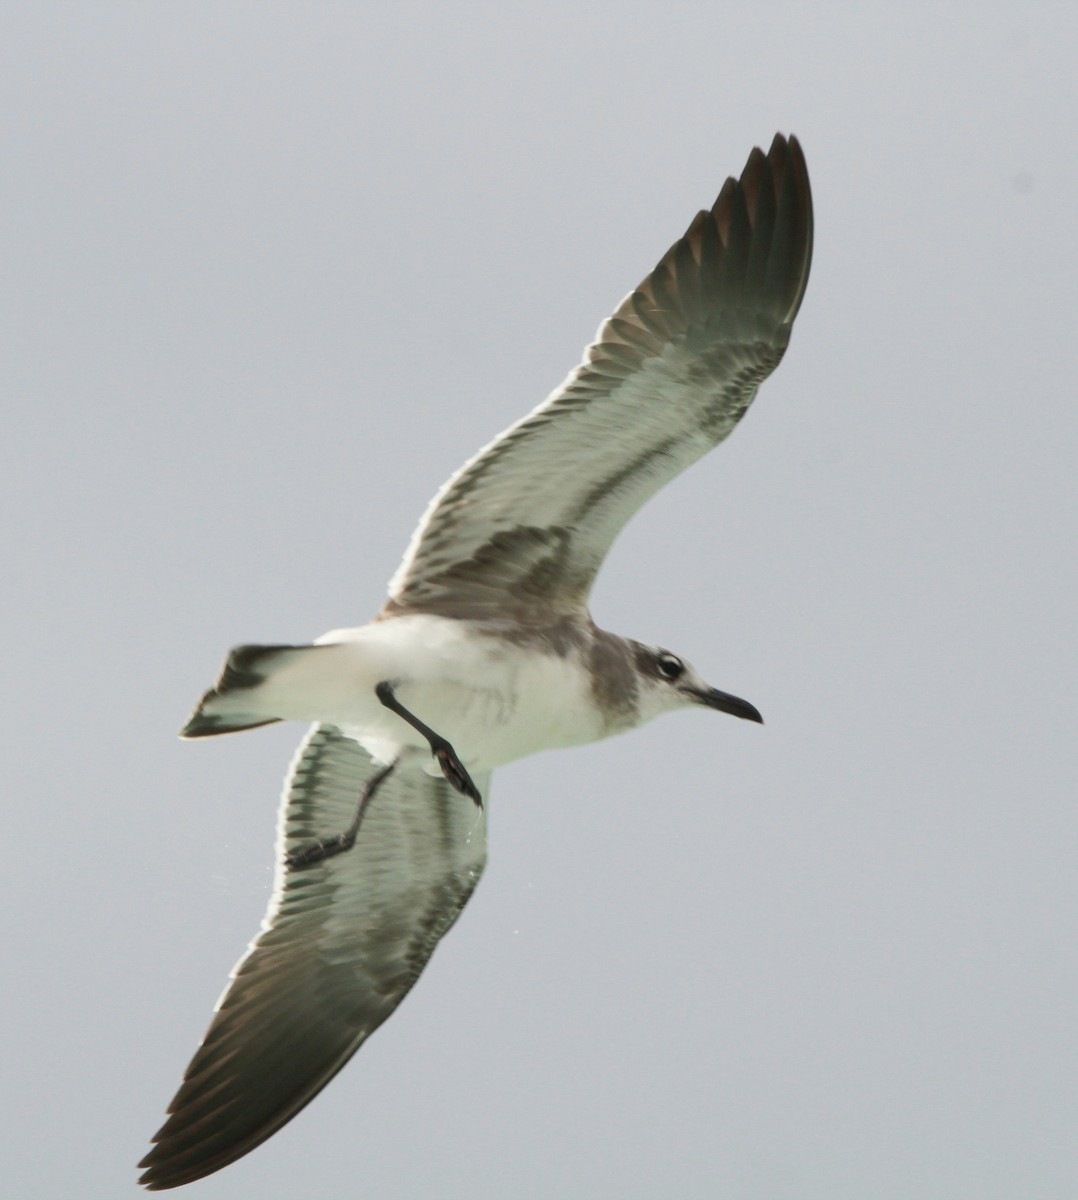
x: 232, y: 704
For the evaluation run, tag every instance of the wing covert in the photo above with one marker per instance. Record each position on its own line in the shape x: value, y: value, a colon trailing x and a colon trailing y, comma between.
x: 519, y: 532
x: 341, y: 944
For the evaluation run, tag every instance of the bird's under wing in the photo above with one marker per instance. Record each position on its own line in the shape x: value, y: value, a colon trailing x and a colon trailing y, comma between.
x: 341, y: 944
x: 519, y: 532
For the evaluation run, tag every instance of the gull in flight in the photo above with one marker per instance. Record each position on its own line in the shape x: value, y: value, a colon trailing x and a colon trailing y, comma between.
x: 483, y: 652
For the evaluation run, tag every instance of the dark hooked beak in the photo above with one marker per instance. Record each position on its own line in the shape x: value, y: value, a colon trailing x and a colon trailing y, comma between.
x: 726, y: 703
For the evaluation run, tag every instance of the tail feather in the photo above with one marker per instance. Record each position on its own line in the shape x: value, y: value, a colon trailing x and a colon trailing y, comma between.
x: 202, y: 724
x: 230, y: 705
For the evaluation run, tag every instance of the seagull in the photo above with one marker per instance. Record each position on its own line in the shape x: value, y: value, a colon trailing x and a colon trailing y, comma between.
x: 483, y: 652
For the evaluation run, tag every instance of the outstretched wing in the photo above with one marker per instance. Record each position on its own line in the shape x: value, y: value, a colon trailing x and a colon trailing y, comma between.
x: 342, y: 943
x: 520, y: 531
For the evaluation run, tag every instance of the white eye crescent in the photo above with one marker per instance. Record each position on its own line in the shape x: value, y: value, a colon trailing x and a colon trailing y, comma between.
x: 670, y: 666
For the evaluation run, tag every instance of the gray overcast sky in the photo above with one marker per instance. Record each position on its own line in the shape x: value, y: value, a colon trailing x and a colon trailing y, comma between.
x: 270, y: 273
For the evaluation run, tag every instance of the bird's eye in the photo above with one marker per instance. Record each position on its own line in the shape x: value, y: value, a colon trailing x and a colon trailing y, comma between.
x: 670, y: 666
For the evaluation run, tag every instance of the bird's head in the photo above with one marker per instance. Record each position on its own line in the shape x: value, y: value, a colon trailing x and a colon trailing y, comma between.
x: 668, y: 682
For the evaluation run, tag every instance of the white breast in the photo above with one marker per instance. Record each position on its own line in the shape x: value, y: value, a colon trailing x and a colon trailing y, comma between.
x: 493, y: 699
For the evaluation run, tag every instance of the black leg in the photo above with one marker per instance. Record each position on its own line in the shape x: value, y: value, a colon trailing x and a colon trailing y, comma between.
x: 327, y: 847
x: 452, y: 767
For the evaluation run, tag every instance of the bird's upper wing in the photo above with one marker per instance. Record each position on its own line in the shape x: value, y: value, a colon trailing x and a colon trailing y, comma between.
x: 341, y: 944
x: 519, y: 532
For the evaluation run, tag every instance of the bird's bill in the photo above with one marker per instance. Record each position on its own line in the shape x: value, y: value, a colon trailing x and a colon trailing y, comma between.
x: 724, y: 702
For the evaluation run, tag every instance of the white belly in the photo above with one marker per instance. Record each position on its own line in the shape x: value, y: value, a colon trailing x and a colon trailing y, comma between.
x: 495, y: 701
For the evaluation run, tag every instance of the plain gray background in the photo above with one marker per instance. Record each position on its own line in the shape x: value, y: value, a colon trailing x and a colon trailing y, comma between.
x: 270, y: 273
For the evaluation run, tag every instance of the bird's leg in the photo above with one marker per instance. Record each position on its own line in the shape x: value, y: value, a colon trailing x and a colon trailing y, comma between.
x: 327, y: 847
x: 452, y: 767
